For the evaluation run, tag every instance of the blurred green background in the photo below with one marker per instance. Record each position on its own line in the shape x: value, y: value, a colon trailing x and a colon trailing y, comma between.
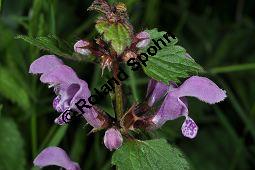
x: 220, y: 35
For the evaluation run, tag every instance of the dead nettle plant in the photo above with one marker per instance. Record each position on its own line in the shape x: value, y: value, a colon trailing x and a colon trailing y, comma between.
x: 166, y: 97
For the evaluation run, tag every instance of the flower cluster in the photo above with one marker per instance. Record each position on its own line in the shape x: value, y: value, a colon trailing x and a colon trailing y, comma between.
x: 163, y: 102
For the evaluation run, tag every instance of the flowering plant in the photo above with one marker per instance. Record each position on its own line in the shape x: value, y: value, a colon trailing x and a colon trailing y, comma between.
x: 118, y: 45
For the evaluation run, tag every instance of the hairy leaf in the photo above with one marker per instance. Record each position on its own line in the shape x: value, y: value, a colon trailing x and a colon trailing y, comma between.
x: 116, y: 33
x: 56, y: 46
x: 102, y: 26
x: 149, y: 155
x: 170, y: 63
x: 11, y: 146
x: 10, y: 89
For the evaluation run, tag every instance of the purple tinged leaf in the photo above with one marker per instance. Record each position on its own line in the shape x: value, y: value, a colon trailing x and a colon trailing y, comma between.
x: 112, y: 139
x: 189, y: 128
x: 55, y: 156
x: 81, y: 47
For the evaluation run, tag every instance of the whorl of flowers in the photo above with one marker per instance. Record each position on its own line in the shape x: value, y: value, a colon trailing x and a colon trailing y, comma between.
x: 170, y: 100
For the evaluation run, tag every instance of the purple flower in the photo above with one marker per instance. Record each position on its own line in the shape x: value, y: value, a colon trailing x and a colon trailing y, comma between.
x: 155, y: 91
x: 143, y: 39
x: 55, y: 156
x: 175, y: 104
x: 81, y: 47
x: 112, y: 139
x: 67, y: 86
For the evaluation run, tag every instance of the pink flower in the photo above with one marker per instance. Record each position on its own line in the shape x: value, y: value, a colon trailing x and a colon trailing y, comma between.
x: 67, y: 86
x: 175, y: 103
x: 55, y: 156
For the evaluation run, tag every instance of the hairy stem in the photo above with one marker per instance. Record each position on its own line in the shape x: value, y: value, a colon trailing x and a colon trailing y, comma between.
x: 118, y: 93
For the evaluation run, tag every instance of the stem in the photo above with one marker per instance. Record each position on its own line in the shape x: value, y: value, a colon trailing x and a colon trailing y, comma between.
x: 119, y: 101
x: 48, y: 137
x: 133, y: 84
x: 118, y: 93
x: 33, y: 128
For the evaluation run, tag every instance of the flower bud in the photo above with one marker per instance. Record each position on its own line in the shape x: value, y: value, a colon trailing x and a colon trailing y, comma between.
x: 55, y: 156
x: 81, y: 47
x: 112, y: 139
x: 143, y: 39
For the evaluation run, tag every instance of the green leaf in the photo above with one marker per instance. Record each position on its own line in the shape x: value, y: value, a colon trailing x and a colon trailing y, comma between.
x: 79, y: 145
x: 12, y: 154
x: 56, y: 46
x: 102, y: 27
x: 116, y: 33
x: 1, y: 108
x: 1, y: 2
x: 155, y: 34
x: 11, y: 89
x: 170, y: 63
x: 149, y: 155
x: 233, y: 68
x: 58, y: 136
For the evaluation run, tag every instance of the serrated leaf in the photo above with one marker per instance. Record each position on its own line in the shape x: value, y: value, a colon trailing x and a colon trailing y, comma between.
x: 102, y: 26
x: 12, y: 156
x: 116, y: 33
x: 170, y: 63
x: 56, y: 46
x: 149, y: 155
x: 10, y: 89
x: 155, y: 34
